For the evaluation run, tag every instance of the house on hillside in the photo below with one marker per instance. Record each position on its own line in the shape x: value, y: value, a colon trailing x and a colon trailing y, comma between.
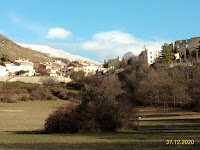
x: 149, y: 56
x: 58, y: 64
x: 87, y: 68
x: 29, y: 73
x: 36, y: 66
x: 44, y: 67
x: 11, y: 67
x: 24, y: 64
x: 51, y: 72
x: 3, y: 71
x: 115, y: 63
x: 52, y: 69
x: 20, y: 65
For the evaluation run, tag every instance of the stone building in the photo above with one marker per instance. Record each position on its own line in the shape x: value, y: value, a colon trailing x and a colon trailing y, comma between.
x: 115, y: 63
x: 188, y: 47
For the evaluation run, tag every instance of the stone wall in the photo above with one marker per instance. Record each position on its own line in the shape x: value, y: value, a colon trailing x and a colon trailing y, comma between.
x: 4, y: 79
x: 190, y: 44
x: 37, y: 79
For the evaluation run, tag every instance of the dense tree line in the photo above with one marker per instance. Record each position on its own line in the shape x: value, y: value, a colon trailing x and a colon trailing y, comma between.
x: 160, y: 84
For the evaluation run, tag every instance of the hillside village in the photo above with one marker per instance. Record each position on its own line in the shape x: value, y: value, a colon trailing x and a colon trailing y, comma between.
x: 56, y: 68
x: 24, y: 67
x: 184, y: 52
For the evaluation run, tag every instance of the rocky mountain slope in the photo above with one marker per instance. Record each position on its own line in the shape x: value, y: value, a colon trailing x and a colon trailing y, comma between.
x: 15, y: 51
x: 56, y: 53
x: 36, y: 52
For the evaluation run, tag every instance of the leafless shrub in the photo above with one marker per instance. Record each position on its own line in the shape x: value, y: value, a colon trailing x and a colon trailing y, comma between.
x: 102, y: 108
x: 50, y: 81
x: 159, y: 89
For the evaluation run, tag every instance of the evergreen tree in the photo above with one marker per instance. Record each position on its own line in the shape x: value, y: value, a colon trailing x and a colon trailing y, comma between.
x: 105, y: 65
x: 167, y: 56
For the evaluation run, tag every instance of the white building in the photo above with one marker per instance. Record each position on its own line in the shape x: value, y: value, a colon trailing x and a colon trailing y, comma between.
x: 88, y: 68
x: 20, y: 64
x: 3, y: 71
x: 150, y: 55
x: 29, y: 73
x: 12, y: 67
x: 58, y: 64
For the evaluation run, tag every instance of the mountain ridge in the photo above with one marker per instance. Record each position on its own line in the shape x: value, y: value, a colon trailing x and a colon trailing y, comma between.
x: 15, y: 51
x: 56, y: 53
x: 35, y: 53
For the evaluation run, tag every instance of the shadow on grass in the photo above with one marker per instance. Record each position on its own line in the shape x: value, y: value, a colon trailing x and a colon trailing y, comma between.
x: 159, y: 115
x: 135, y: 140
x: 28, y: 132
x: 134, y: 135
x: 170, y: 127
x: 193, y: 120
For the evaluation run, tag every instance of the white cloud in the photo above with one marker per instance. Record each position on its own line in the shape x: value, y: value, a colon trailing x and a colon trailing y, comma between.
x: 115, y: 43
x: 110, y: 44
x: 58, y: 33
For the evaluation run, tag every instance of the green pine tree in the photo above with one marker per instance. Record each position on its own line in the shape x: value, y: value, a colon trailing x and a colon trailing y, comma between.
x: 167, y: 56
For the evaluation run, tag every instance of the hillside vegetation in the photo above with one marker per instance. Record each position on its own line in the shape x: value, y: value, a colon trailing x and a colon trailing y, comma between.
x: 15, y: 51
x: 14, y: 92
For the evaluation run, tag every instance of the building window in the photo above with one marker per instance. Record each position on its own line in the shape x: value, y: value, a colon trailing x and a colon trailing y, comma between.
x: 150, y: 52
x: 177, y: 46
x: 151, y: 57
x: 180, y: 41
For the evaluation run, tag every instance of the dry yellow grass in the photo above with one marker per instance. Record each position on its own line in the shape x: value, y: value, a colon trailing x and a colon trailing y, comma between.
x: 20, y: 121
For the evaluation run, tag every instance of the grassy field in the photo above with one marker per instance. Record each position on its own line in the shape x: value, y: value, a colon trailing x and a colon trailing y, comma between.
x: 20, y: 124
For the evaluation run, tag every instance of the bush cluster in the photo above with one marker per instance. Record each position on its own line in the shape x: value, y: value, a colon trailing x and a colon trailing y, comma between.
x: 19, y: 91
x: 102, y: 108
x: 64, y: 93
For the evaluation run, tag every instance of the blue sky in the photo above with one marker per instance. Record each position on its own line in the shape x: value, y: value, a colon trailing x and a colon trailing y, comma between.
x: 99, y: 29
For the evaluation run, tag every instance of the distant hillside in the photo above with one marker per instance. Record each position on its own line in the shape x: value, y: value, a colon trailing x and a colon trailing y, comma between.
x: 36, y: 52
x: 15, y: 51
x: 56, y: 53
